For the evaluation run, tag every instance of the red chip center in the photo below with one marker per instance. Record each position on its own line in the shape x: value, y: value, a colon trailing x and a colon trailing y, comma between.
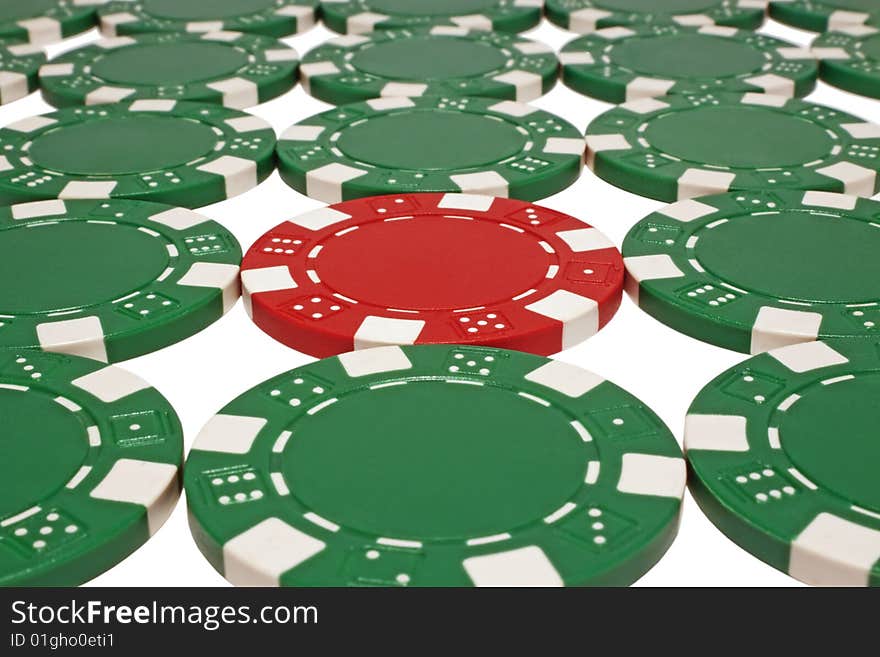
x: 434, y: 262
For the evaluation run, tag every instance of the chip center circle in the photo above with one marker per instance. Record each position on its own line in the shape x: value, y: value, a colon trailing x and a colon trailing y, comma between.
x: 742, y: 136
x: 432, y: 460
x: 427, y: 58
x: 160, y: 64
x: 674, y: 55
x: 205, y: 11
x: 35, y: 464
x: 852, y: 5
x: 432, y: 262
x: 115, y: 146
x: 831, y: 435
x: 76, y: 264
x: 669, y: 6
x: 429, y: 8
x: 431, y: 140
x: 871, y: 47
x: 793, y: 255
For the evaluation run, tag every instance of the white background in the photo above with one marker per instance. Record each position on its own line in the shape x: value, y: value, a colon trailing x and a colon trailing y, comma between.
x: 663, y: 368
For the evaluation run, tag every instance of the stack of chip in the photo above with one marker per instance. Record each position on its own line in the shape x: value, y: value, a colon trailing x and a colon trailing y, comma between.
x: 434, y: 289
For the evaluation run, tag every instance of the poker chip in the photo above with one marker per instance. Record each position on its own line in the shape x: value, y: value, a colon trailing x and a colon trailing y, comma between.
x: 111, y: 279
x: 850, y: 59
x: 228, y: 68
x: 751, y: 271
x: 440, y: 61
x: 186, y: 154
x: 679, y: 147
x: 363, y: 16
x: 431, y: 144
x: 19, y: 64
x: 275, y: 18
x: 620, y: 64
x: 46, y: 21
x: 824, y: 15
x: 435, y: 466
x: 585, y: 16
x: 783, y: 452
x: 91, y: 467
x: 432, y: 269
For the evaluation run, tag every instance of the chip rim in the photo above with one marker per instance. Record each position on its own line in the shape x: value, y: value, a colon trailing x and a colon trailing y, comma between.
x: 129, y: 17
x: 609, y: 151
x: 102, y: 331
x: 587, y: 17
x: 357, y: 17
x: 66, y: 19
x: 525, y: 76
x: 238, y: 90
x: 815, y: 15
x: 215, y: 176
x: 336, y: 177
x: 840, y: 55
x: 19, y: 70
x: 588, y: 66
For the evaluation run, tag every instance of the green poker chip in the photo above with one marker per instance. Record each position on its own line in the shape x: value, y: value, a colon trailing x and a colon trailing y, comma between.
x: 121, y: 278
x: 435, y: 466
x: 824, y: 15
x: 46, y: 21
x: 850, y: 59
x: 275, y: 18
x: 679, y: 147
x: 585, y: 16
x: 228, y: 68
x: 752, y: 271
x: 431, y: 144
x: 19, y: 65
x: 160, y: 150
x: 783, y: 454
x: 620, y: 64
x: 362, y: 16
x: 440, y: 61
x: 91, y: 467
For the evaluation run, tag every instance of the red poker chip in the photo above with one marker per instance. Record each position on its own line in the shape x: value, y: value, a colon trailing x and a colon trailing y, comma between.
x: 432, y: 269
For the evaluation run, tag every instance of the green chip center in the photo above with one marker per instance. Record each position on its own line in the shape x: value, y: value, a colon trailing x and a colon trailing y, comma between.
x: 428, y: 58
x: 430, y: 7
x: 747, y: 137
x: 116, y: 146
x: 871, y: 47
x: 199, y: 10
x: 434, y: 460
x: 687, y: 55
x: 169, y: 64
x: 831, y: 435
x: 658, y: 6
x: 795, y: 256
x: 853, y: 5
x: 75, y: 264
x: 431, y: 140
x: 43, y: 446
x: 15, y: 10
